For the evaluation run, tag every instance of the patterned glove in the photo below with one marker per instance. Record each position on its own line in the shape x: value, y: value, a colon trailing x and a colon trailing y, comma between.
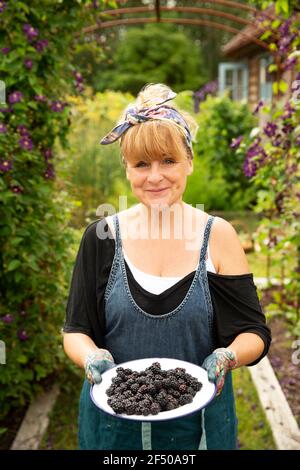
x: 218, y: 364
x: 97, y: 362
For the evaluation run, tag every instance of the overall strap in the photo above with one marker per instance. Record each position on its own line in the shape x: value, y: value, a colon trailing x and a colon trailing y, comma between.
x: 206, y: 237
x: 117, y: 232
x: 203, y: 443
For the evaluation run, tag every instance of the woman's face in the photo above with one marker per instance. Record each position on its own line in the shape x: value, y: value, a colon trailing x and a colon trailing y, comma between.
x: 161, y: 181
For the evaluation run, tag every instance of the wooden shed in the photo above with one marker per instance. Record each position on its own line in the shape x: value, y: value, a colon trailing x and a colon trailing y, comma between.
x: 246, y: 75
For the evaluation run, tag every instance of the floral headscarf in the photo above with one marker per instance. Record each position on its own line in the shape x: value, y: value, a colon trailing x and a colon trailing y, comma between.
x: 159, y: 111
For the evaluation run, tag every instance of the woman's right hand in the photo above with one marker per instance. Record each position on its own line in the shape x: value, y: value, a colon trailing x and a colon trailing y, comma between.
x: 96, y: 362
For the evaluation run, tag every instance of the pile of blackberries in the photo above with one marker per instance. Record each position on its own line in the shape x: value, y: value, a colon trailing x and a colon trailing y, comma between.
x: 151, y: 391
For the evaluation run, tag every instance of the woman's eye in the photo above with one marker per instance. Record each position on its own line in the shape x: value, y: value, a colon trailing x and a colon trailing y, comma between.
x: 140, y: 164
x: 169, y: 161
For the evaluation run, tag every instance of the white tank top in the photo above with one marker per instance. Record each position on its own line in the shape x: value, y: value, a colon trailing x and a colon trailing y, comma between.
x: 157, y: 284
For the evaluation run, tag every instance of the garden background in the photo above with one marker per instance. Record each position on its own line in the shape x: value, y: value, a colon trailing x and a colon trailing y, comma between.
x: 63, y: 86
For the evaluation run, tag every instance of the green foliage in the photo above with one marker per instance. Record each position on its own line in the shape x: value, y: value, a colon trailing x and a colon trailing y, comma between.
x: 272, y: 160
x: 95, y: 171
x: 218, y: 180
x: 156, y: 53
x: 36, y: 244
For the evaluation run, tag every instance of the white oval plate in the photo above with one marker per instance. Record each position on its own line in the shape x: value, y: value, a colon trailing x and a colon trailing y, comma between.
x: 200, y: 400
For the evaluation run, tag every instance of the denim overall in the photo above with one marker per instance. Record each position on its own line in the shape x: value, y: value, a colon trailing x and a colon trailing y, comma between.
x: 186, y: 334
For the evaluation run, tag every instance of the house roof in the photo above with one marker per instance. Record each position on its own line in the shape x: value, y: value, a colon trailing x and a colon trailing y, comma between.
x: 242, y: 43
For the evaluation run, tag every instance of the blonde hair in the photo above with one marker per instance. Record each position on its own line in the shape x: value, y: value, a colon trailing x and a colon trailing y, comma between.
x: 155, y: 138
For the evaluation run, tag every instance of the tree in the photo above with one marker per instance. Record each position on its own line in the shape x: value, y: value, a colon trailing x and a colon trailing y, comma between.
x: 156, y: 53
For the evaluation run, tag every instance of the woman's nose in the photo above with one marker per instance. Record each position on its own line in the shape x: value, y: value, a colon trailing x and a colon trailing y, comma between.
x: 155, y: 172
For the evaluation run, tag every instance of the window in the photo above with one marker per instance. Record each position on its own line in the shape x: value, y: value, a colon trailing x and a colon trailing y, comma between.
x: 265, y: 79
x: 233, y: 77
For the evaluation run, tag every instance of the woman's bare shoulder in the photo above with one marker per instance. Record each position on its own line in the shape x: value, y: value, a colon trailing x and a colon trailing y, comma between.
x: 228, y: 248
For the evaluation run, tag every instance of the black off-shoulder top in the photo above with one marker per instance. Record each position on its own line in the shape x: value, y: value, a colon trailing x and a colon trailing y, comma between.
x: 234, y: 297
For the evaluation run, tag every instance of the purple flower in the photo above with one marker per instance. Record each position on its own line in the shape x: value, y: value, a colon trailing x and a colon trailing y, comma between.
x: 22, y: 335
x: 236, y: 142
x: 2, y: 6
x: 26, y: 143
x: 16, y: 189
x: 49, y: 173
x: 289, y: 64
x: 40, y: 98
x: 8, y: 318
x: 5, y: 165
x: 15, y: 97
x: 30, y: 32
x: 78, y: 76
x: 249, y: 168
x: 28, y: 64
x: 57, y: 106
x: 95, y: 4
x: 5, y: 50
x: 41, y: 45
x: 6, y: 110
x: 258, y: 106
x: 270, y: 129
x: 287, y: 128
x: 3, y: 128
x: 47, y: 153
x: 288, y: 111
x: 277, y: 141
x: 22, y: 130
x: 79, y: 87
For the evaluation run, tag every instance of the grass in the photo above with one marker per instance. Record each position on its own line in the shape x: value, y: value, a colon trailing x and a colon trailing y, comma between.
x: 254, y: 431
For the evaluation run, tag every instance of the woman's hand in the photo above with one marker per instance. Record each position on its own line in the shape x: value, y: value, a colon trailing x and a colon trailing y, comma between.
x: 218, y: 364
x: 96, y: 363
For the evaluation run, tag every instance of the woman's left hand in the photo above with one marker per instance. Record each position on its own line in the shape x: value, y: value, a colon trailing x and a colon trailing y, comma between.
x: 218, y: 364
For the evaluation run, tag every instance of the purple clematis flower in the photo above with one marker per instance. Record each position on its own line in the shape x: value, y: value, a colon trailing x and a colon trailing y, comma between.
x: 15, y: 97
x: 5, y: 50
x: 22, y: 335
x: 28, y: 64
x: 40, y: 98
x: 30, y: 31
x: 57, y: 106
x: 2, y: 6
x: 49, y: 173
x: 5, y: 165
x: 26, y: 143
x: 8, y: 318
x: 16, y: 189
x: 236, y: 142
x: 270, y: 129
x: 258, y: 106
x: 41, y: 45
x: 48, y: 153
x: 3, y: 128
x: 22, y: 130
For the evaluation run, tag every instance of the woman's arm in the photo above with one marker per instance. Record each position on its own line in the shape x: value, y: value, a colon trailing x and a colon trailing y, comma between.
x: 247, y: 347
x: 77, y: 346
x: 232, y: 260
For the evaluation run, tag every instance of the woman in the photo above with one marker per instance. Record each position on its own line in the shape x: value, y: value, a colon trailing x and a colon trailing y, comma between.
x: 147, y: 284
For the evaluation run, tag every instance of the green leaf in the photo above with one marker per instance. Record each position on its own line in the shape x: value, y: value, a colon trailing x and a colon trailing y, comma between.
x: 272, y: 68
x: 275, y: 88
x: 283, y: 86
x: 22, y: 359
x: 14, y: 264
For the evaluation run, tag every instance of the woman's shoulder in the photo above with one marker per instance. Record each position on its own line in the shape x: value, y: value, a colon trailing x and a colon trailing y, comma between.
x: 228, y: 249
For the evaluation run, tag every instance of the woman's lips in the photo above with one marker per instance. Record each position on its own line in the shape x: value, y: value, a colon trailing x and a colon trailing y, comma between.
x: 157, y: 190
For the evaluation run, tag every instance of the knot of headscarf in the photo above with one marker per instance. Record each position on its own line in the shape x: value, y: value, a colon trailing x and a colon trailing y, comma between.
x: 158, y: 111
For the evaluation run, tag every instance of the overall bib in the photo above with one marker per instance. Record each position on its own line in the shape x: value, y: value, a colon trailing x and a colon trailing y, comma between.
x: 185, y: 333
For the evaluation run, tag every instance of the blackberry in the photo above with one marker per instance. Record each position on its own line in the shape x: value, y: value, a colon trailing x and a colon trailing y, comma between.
x: 151, y: 391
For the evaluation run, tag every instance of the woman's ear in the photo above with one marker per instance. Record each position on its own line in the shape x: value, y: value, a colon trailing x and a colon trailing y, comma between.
x: 191, y: 167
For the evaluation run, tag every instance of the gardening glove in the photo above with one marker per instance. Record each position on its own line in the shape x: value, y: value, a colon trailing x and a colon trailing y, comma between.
x: 218, y: 364
x: 97, y: 362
